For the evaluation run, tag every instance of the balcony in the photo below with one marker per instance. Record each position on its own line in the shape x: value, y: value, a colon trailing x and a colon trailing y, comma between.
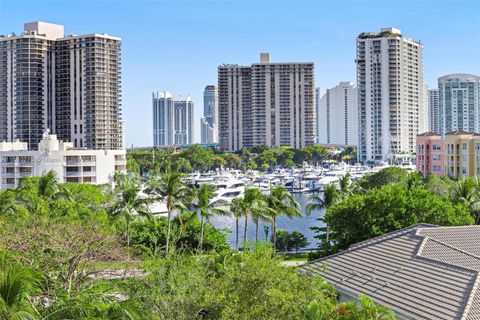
x: 8, y: 174
x: 80, y: 174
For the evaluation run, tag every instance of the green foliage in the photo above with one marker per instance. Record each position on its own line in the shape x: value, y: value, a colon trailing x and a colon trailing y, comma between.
x: 17, y: 285
x: 390, y: 175
x: 198, y: 158
x: 149, y: 236
x: 282, y: 240
x: 290, y: 241
x: 252, y: 285
x: 385, y: 209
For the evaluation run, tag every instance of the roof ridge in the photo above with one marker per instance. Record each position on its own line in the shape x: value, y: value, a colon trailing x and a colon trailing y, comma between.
x: 452, y: 227
x: 471, y: 297
x: 392, y: 234
x: 400, y: 232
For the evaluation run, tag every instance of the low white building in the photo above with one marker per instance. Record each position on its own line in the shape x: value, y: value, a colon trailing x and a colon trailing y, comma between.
x: 70, y: 164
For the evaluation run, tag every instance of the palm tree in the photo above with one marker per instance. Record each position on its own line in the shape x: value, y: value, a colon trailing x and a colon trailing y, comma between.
x: 183, y: 165
x: 204, y: 205
x: 128, y: 202
x: 330, y: 197
x: 48, y: 185
x: 238, y: 210
x: 170, y: 189
x: 467, y: 191
x: 251, y: 203
x: 256, y: 206
x: 281, y: 202
x: 50, y: 189
x: 344, y: 184
x: 17, y: 283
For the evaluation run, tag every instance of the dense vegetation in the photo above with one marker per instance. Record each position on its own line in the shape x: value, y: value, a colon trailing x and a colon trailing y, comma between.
x: 197, y: 158
x: 389, y: 200
x: 72, y: 251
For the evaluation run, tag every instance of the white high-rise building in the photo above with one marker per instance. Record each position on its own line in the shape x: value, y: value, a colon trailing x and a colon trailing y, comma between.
x: 317, y: 113
x: 209, y: 121
x: 433, y: 111
x: 338, y: 115
x: 423, y: 112
x: 266, y: 103
x: 390, y: 94
x: 183, y: 117
x: 459, y: 103
x: 172, y: 120
x: 67, y: 84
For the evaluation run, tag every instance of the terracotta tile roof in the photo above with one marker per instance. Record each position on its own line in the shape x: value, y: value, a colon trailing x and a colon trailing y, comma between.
x: 427, y: 134
x: 420, y: 272
x: 459, y: 132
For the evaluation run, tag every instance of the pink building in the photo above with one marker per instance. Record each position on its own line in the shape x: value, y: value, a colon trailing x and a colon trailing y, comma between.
x: 430, y: 154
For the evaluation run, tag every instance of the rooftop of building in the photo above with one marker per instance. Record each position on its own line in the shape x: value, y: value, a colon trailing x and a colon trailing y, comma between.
x: 420, y: 272
x: 428, y: 134
x: 384, y: 32
x: 459, y: 132
x: 264, y: 60
x: 460, y: 76
x: 51, y: 31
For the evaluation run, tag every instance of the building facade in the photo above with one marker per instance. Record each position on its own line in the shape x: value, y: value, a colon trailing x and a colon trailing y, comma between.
x: 317, y: 113
x: 390, y: 94
x: 266, y: 103
x: 430, y: 154
x: 183, y: 121
x: 459, y: 103
x: 69, y: 164
x: 338, y: 115
x: 433, y: 111
x: 457, y: 154
x: 172, y: 119
x: 67, y: 84
x: 209, y: 121
x: 423, y: 112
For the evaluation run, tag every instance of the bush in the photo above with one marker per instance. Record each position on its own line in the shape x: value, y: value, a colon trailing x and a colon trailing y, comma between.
x: 149, y: 236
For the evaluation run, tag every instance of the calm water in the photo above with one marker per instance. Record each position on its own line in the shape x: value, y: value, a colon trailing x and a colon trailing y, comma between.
x: 300, y: 224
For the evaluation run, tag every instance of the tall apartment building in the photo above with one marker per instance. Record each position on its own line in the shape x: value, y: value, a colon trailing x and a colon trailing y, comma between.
x: 459, y: 103
x: 338, y: 115
x: 183, y: 117
x: 433, y: 111
x: 390, y: 94
x: 266, y: 103
x: 209, y: 121
x: 172, y: 120
x: 423, y: 111
x: 317, y: 113
x: 67, y: 84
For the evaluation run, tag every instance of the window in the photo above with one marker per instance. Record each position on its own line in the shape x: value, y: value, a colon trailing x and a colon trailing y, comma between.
x: 464, y: 146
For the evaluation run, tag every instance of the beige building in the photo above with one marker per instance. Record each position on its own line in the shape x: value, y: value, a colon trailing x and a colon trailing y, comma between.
x: 462, y: 154
x: 390, y: 94
x: 68, y: 84
x: 266, y: 103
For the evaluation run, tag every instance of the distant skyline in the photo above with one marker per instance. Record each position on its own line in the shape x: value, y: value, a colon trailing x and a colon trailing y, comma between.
x: 177, y: 45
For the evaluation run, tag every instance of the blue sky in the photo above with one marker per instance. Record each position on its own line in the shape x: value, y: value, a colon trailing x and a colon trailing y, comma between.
x: 178, y: 45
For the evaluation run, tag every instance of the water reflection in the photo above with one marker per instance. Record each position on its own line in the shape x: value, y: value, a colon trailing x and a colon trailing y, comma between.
x: 300, y: 224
